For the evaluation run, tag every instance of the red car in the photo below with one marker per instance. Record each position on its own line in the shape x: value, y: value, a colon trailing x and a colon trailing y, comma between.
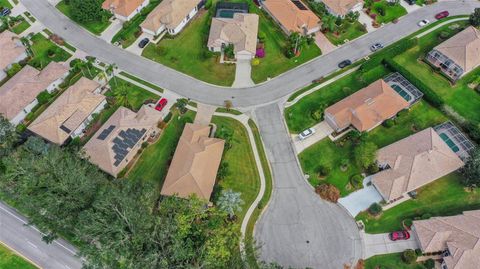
x: 399, y: 235
x: 161, y: 104
x: 442, y: 15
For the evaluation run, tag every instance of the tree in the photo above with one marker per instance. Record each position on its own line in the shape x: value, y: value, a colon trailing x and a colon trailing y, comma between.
x: 229, y: 51
x: 8, y: 136
x: 296, y: 42
x: 375, y: 209
x: 471, y: 170
x: 121, y: 96
x: 36, y: 145
x: 328, y: 23
x: 86, y: 10
x: 475, y: 18
x: 365, y: 154
x: 14, y: 69
x: 230, y: 202
x: 110, y: 70
x: 328, y: 192
x: 409, y: 256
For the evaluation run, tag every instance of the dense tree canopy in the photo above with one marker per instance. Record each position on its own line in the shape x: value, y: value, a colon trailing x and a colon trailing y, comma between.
x: 87, y: 10
x: 365, y: 154
x: 471, y: 170
x: 475, y: 18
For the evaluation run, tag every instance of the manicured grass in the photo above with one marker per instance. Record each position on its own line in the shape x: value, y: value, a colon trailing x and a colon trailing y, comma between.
x: 393, y: 261
x: 21, y: 26
x: 229, y: 111
x: 9, y: 260
x: 299, y: 116
x: 464, y: 100
x: 95, y: 27
x: 348, y: 31
x: 275, y: 62
x: 148, y: 84
x: 242, y: 174
x: 330, y: 154
x: 40, y: 48
x: 136, y: 95
x: 155, y: 159
x: 443, y: 197
x: 5, y: 3
x: 392, y: 12
x: 187, y: 53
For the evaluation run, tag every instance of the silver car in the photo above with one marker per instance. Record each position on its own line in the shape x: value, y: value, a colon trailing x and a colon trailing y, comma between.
x: 306, y: 134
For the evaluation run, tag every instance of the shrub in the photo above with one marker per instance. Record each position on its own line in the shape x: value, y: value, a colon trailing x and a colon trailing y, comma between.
x: 365, y: 154
x: 260, y: 53
x: 418, y: 252
x: 21, y: 128
x: 375, y: 209
x: 426, y: 216
x: 15, y: 68
x: 51, y: 52
x: 43, y: 97
x: 255, y: 61
x: 443, y: 35
x: 388, y: 123
x: 144, y: 145
x: 261, y: 36
x: 408, y: 222
x: 373, y: 168
x: 356, y: 180
x: 323, y: 170
x: 409, y: 256
x: 328, y: 192
x: 429, y: 264
x: 168, y: 117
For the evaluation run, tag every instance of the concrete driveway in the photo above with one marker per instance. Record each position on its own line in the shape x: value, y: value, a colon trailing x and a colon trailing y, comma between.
x: 322, y: 130
x: 323, y: 43
x: 377, y: 244
x: 111, y: 30
x: 409, y: 8
x: 360, y: 200
x: 367, y: 21
x: 243, y: 72
x: 134, y: 48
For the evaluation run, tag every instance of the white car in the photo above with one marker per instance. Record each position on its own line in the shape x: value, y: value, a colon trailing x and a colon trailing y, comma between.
x: 423, y: 23
x: 306, y: 134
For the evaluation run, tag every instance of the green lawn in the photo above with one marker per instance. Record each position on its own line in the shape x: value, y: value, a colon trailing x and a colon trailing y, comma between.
x: 348, y: 31
x: 330, y: 154
x: 392, y: 12
x: 40, y: 48
x: 148, y: 84
x: 387, y: 261
x: 275, y: 61
x: 154, y: 161
x: 9, y: 260
x: 464, y: 100
x: 242, y: 174
x: 443, y: 197
x: 136, y: 95
x: 187, y: 53
x: 5, y: 3
x: 299, y: 116
x: 21, y: 26
x: 95, y: 27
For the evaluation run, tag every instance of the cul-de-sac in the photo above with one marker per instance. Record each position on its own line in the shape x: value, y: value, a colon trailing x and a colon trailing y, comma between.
x: 239, y: 134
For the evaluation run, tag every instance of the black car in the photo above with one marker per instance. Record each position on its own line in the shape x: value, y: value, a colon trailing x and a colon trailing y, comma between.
x: 344, y: 63
x: 143, y: 43
x: 5, y: 11
x: 411, y: 2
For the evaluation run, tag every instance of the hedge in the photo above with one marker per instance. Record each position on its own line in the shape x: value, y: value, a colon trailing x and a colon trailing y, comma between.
x: 429, y: 95
x: 388, y: 53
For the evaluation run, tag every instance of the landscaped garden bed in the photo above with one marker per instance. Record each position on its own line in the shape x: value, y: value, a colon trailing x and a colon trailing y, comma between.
x: 384, y: 12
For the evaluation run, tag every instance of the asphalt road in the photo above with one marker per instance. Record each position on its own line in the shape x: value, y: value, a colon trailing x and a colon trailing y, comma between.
x: 298, y: 228
x: 27, y: 240
x: 260, y: 94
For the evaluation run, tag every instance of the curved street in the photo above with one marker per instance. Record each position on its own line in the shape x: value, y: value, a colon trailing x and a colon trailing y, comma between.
x: 297, y: 228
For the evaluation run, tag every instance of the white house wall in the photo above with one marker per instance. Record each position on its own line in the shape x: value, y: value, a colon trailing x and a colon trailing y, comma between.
x: 79, y: 130
x: 184, y: 22
x: 21, y: 116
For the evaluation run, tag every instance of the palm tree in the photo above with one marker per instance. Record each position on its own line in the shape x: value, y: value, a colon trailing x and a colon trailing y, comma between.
x: 110, y: 70
x: 6, y: 20
x: 79, y: 65
x: 328, y: 23
x: 89, y: 63
x: 103, y: 76
x: 121, y: 96
x: 230, y: 202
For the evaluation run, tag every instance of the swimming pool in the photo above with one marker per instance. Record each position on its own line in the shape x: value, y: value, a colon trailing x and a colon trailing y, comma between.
x: 449, y: 142
x: 404, y: 94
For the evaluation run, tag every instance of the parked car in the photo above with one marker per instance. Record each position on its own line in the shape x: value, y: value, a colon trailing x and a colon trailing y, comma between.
x: 442, y: 15
x: 161, y: 104
x: 423, y: 22
x: 399, y: 235
x: 306, y: 134
x: 344, y: 63
x: 411, y: 2
x: 143, y: 43
x: 5, y: 12
x: 376, y: 47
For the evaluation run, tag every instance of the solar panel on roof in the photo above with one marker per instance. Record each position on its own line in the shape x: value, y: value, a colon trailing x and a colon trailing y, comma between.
x: 124, y: 142
x: 106, y: 132
x: 65, y: 129
x: 299, y: 4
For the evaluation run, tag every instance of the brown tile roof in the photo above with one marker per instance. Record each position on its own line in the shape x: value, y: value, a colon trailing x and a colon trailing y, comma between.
x: 290, y: 16
x: 241, y: 31
x: 70, y: 110
x: 100, y: 149
x: 195, y: 163
x: 23, y: 88
x: 341, y: 7
x: 463, y: 48
x: 414, y: 161
x: 10, y: 48
x: 367, y: 107
x: 122, y: 7
x: 459, y: 234
x: 169, y: 13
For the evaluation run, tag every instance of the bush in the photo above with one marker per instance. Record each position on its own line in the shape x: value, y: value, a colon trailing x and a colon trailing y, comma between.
x: 426, y: 216
x: 323, y: 170
x: 429, y: 264
x: 418, y: 252
x: 409, y: 256
x: 372, y: 169
x: 328, y: 192
x: 388, y: 123
x: 255, y: 62
x: 144, y: 145
x: 168, y: 117
x: 375, y: 209
x: 443, y: 35
x: 21, y: 128
x: 43, y: 97
x: 356, y: 181
x: 13, y: 70
x: 261, y: 36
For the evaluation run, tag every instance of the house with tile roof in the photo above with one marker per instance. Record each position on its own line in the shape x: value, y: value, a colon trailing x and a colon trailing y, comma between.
x: 366, y: 108
x: 292, y: 16
x: 12, y: 51
x: 413, y: 162
x: 341, y: 8
x: 170, y: 16
x: 458, y: 55
x: 70, y: 113
x: 241, y: 31
x: 124, y: 10
x: 457, y: 238
x: 19, y: 93
x: 194, y: 167
x: 120, y: 138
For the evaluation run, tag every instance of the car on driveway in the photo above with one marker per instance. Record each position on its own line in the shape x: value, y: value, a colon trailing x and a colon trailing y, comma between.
x: 442, y: 15
x: 5, y: 12
x: 399, y: 235
x: 410, y: 2
x: 344, y: 63
x: 423, y: 22
x: 376, y: 47
x: 143, y: 43
x: 161, y: 104
x: 306, y: 134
